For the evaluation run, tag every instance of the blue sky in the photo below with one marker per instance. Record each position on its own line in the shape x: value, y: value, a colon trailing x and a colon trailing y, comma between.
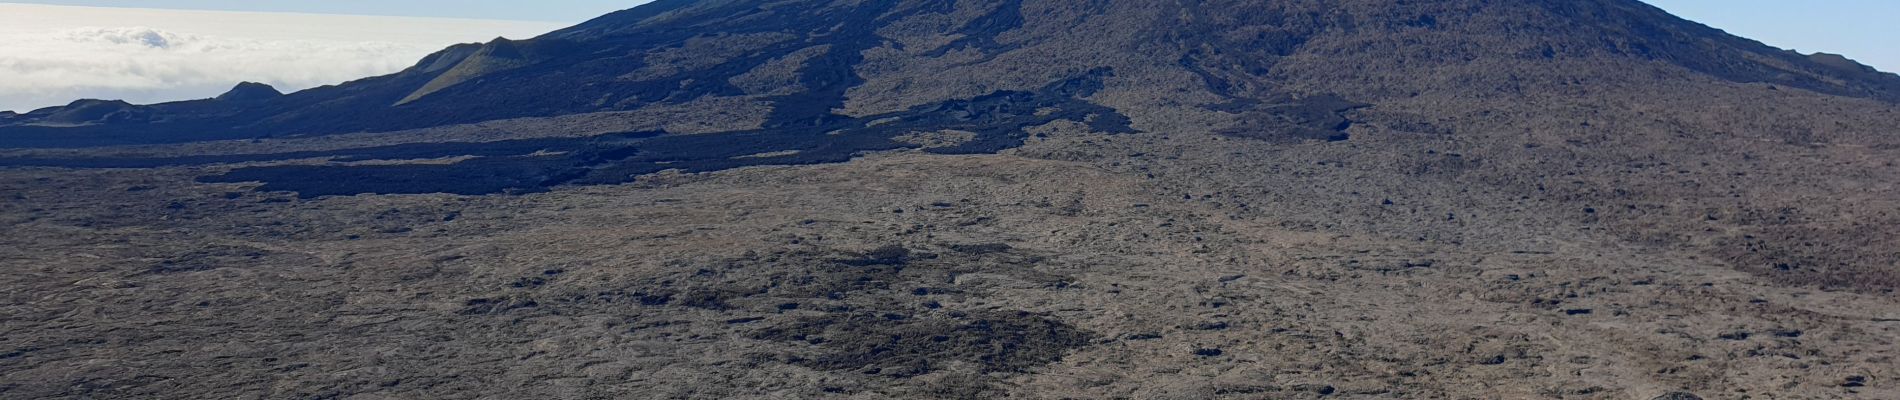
x: 1865, y: 30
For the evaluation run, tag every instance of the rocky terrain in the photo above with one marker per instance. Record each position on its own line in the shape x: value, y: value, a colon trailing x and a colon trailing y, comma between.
x: 979, y: 199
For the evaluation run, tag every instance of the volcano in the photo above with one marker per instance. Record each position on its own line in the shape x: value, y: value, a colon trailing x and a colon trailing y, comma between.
x: 985, y: 198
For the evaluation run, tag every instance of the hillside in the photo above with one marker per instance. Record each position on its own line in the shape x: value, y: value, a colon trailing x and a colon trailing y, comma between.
x: 985, y: 198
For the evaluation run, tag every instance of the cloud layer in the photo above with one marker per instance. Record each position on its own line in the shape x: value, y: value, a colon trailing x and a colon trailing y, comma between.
x: 52, y: 55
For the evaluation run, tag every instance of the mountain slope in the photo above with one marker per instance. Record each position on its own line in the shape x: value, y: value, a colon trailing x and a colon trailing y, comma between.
x: 1240, y: 199
x: 877, y: 51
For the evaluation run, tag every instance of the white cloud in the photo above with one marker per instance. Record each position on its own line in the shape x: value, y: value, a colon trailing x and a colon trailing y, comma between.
x: 51, y: 55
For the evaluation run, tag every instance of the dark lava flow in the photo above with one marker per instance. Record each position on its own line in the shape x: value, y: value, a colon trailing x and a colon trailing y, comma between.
x: 407, y: 151
x: 534, y: 165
